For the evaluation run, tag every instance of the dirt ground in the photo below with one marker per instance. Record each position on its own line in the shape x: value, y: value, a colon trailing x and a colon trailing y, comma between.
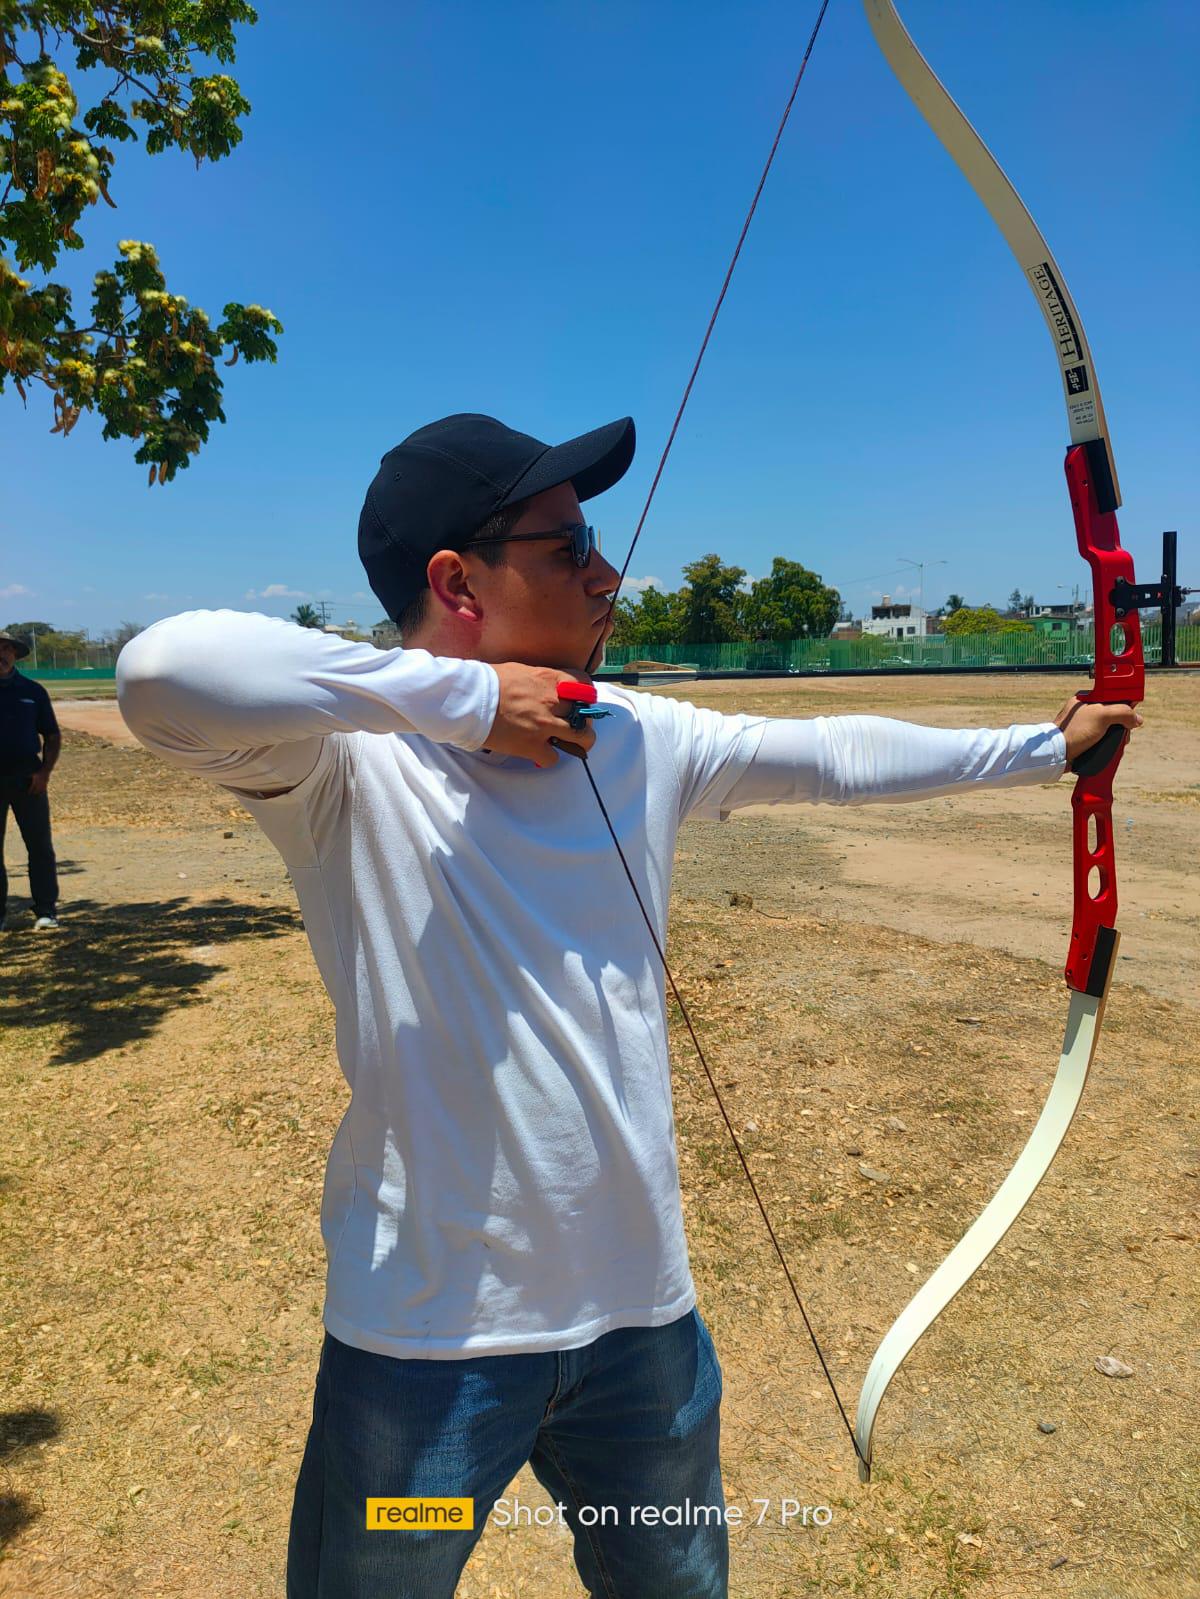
x: 879, y: 992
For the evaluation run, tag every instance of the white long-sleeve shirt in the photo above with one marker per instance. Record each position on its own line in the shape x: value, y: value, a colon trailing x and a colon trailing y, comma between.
x: 505, y: 1177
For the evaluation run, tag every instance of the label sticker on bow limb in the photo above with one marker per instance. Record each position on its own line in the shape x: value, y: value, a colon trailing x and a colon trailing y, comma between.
x: 1072, y: 351
x: 1057, y: 314
x: 1081, y: 415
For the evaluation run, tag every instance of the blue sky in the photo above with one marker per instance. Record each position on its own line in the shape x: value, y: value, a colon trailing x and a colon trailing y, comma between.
x: 527, y: 209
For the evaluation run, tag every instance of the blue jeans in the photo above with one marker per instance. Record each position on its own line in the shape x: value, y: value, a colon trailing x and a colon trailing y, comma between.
x: 628, y: 1422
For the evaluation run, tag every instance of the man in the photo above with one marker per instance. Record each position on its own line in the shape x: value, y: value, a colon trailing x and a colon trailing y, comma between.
x: 507, y: 1272
x: 29, y: 747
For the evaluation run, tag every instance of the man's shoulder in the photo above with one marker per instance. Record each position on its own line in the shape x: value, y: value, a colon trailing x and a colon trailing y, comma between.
x: 674, y: 727
x: 651, y: 705
x: 37, y: 691
x: 641, y: 701
x: 28, y: 687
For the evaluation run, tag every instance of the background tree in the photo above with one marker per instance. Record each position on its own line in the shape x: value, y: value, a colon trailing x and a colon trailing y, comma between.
x: 62, y: 641
x: 152, y: 376
x: 121, y: 634
x: 1014, y: 601
x: 48, y: 642
x: 306, y: 615
x: 983, y: 619
x: 791, y: 603
x: 954, y: 602
x: 652, y: 618
x: 710, y: 602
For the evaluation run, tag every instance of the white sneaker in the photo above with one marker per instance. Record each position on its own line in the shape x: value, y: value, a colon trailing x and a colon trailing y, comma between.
x: 44, y: 922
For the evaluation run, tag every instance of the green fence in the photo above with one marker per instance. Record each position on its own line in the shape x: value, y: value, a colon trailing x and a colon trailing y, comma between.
x: 829, y: 655
x: 841, y: 655
x: 59, y: 674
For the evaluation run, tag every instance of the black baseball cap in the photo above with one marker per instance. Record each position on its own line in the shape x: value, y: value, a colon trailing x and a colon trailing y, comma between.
x: 437, y: 488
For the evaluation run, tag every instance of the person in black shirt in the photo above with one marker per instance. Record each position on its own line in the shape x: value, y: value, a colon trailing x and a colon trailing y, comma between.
x: 29, y: 746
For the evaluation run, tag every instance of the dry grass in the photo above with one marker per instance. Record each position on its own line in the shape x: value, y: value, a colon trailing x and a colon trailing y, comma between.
x: 170, y: 1092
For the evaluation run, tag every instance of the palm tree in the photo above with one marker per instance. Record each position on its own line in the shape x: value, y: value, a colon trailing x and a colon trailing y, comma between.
x: 306, y: 616
x: 955, y: 603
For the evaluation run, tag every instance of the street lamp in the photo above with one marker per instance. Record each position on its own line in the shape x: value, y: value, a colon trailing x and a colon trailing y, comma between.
x: 920, y: 566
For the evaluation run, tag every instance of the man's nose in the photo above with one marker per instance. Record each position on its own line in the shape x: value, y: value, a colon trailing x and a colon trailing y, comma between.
x: 602, y: 576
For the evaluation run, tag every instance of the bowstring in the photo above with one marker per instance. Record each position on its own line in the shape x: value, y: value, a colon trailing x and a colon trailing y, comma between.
x: 654, y: 939
x: 736, y: 1141
x: 712, y: 322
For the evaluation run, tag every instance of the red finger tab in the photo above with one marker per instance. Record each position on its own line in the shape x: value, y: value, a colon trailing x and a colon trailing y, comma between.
x: 580, y: 693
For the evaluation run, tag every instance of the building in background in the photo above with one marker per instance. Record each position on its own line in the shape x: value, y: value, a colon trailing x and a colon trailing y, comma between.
x: 1057, y: 621
x: 898, y: 621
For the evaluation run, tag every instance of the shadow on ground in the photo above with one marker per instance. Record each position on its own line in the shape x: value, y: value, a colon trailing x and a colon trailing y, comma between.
x: 21, y: 1430
x: 110, y: 973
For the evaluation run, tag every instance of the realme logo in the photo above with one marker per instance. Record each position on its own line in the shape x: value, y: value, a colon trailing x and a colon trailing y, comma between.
x: 425, y: 1515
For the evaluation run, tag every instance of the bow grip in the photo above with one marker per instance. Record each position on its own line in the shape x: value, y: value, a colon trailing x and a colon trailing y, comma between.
x: 1099, y: 756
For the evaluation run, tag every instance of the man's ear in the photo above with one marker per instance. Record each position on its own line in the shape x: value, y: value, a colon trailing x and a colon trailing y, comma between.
x: 450, y: 585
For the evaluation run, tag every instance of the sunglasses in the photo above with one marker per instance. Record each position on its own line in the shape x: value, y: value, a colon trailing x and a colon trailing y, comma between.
x: 583, y: 540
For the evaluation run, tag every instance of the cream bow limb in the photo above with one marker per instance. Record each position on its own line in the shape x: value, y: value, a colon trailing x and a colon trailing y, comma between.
x: 1118, y: 677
